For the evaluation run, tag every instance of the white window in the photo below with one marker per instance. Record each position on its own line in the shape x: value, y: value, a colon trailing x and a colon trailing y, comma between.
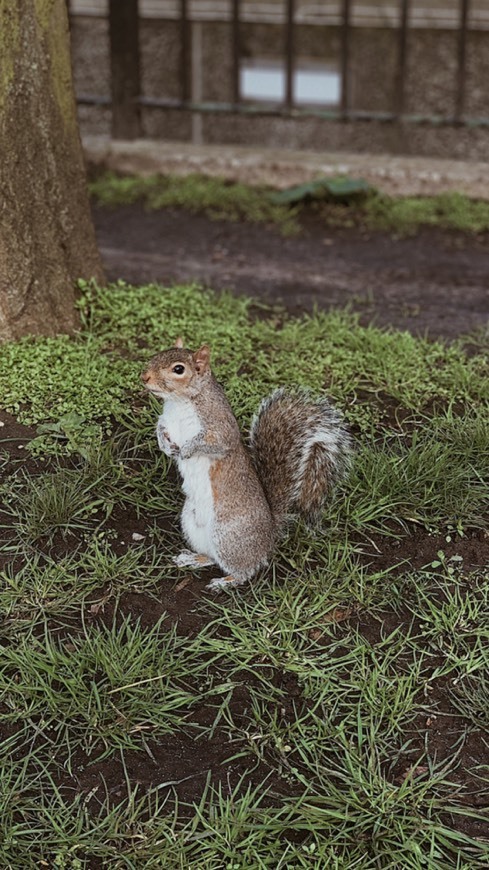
x: 313, y: 83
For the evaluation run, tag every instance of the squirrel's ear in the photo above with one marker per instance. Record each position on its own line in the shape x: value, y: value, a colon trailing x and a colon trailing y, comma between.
x: 202, y: 358
x: 179, y: 341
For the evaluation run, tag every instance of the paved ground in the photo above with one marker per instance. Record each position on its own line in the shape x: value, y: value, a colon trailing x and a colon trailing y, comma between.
x: 281, y: 168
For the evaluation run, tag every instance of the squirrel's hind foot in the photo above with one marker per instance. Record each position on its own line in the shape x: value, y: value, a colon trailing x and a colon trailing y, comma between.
x: 220, y: 583
x: 188, y: 559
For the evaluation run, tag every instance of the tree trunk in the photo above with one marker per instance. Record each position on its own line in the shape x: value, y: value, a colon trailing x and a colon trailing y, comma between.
x: 47, y: 239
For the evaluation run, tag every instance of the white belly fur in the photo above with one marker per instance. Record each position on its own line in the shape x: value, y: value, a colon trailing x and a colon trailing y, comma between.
x: 181, y: 422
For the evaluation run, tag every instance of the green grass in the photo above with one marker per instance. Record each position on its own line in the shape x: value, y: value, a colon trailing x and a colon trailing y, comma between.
x: 361, y: 367
x: 337, y: 705
x: 453, y: 211
x: 101, y: 687
x: 215, y: 197
x: 224, y: 200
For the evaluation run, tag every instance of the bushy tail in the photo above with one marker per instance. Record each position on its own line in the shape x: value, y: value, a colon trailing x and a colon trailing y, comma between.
x: 300, y: 448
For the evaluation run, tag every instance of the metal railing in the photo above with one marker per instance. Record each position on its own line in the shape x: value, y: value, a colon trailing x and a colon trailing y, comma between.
x: 127, y: 100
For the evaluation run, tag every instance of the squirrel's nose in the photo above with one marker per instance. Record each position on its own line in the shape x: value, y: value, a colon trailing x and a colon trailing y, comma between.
x: 145, y: 377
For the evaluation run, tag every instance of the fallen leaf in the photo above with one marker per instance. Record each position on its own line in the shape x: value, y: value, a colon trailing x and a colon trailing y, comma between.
x: 183, y: 583
x: 338, y: 614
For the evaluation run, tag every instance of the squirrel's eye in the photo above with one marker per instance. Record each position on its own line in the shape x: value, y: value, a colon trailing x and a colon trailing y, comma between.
x: 179, y: 370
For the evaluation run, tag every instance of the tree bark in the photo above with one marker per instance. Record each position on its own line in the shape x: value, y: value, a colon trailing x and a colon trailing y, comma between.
x: 47, y: 240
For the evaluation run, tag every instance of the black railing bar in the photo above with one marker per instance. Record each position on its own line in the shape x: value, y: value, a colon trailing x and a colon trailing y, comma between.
x: 289, y: 54
x: 93, y: 100
x: 236, y: 49
x: 345, y: 56
x: 124, y: 69
x: 461, y: 59
x: 327, y: 114
x: 278, y: 110
x: 184, y: 53
x: 400, y: 82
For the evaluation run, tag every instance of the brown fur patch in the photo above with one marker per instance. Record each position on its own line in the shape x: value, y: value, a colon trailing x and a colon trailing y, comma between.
x: 215, y: 475
x: 202, y: 560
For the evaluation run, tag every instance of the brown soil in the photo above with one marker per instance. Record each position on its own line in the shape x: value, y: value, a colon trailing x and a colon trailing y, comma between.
x: 435, y: 283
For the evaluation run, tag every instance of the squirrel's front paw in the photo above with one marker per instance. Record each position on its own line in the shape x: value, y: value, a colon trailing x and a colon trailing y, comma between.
x: 165, y: 443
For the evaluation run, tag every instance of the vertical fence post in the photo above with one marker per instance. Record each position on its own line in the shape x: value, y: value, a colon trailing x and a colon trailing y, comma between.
x: 461, y: 58
x: 345, y: 58
x: 197, y: 72
x: 184, y: 53
x: 124, y: 68
x: 289, y: 55
x: 236, y: 49
x: 400, y: 85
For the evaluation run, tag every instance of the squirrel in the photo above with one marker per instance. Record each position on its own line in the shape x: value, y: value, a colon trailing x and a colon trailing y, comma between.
x: 238, y: 499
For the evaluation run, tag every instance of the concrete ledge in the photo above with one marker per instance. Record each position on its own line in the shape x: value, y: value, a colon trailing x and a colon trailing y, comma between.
x: 397, y: 176
x: 430, y: 14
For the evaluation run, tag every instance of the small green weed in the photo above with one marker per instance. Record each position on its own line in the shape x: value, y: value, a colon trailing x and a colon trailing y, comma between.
x: 43, y: 380
x: 71, y: 430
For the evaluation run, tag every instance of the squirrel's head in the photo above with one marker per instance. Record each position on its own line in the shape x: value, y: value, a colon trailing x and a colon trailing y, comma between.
x: 177, y: 371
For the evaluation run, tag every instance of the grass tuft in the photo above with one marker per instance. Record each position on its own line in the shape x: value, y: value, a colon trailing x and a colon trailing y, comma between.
x: 453, y: 211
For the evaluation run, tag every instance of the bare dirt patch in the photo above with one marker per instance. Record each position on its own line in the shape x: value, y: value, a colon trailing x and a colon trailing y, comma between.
x: 434, y: 282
